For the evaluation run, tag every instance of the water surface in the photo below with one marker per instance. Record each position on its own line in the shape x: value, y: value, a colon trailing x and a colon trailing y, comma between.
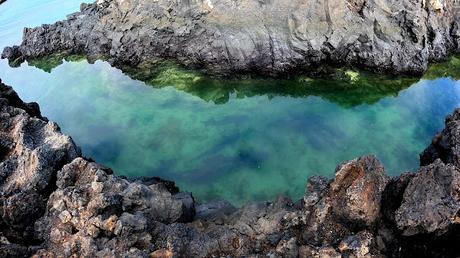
x: 240, y: 140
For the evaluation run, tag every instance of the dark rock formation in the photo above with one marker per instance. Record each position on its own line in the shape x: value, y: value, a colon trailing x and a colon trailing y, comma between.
x: 445, y: 145
x: 94, y: 213
x: 31, y: 151
x: 54, y: 203
x: 431, y: 202
x: 246, y: 36
x: 8, y: 94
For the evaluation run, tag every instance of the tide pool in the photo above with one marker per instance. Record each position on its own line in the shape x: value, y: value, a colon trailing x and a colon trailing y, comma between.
x: 241, y: 140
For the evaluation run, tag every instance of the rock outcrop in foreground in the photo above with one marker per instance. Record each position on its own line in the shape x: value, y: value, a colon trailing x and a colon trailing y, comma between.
x: 248, y: 36
x: 55, y: 203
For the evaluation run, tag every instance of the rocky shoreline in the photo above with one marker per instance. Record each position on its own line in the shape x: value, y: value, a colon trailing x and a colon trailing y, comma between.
x: 56, y: 203
x: 274, y: 38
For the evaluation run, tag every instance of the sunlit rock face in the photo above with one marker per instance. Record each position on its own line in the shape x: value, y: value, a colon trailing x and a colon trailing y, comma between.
x: 31, y: 151
x: 267, y: 37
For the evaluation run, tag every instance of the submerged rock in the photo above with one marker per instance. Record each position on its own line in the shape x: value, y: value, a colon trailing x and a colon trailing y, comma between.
x: 245, y: 36
x: 214, y: 210
x: 54, y: 203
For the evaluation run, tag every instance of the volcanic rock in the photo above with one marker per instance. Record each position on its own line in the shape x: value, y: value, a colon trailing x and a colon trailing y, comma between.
x: 55, y: 203
x: 431, y: 201
x: 265, y: 37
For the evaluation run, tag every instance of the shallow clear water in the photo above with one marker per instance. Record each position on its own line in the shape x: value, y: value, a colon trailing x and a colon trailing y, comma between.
x: 238, y: 140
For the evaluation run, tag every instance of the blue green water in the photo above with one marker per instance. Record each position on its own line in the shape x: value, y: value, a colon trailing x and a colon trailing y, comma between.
x: 240, y: 140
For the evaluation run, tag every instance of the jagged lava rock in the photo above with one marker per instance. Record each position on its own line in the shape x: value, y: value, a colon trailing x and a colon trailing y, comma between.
x: 357, y: 190
x: 93, y: 213
x: 431, y: 201
x: 445, y: 145
x: 32, y: 150
x: 348, y: 203
x: 265, y: 37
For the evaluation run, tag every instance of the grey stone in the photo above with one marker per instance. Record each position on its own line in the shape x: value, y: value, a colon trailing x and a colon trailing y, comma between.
x: 266, y: 37
x: 431, y: 201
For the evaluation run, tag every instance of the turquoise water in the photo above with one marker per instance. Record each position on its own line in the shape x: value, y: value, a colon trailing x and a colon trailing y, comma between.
x: 238, y: 140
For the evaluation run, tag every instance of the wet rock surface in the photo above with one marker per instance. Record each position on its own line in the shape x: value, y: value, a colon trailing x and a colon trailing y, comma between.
x: 445, y: 145
x: 246, y: 36
x: 55, y: 203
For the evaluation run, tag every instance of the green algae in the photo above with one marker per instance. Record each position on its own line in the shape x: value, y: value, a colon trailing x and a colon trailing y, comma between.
x: 448, y: 68
x: 50, y: 62
x: 347, y: 88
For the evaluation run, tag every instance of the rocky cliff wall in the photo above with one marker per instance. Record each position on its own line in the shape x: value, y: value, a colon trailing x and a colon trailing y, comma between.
x: 269, y: 37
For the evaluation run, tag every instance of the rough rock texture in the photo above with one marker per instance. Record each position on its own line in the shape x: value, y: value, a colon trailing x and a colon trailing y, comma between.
x: 431, y: 201
x: 272, y: 37
x: 445, y: 145
x: 358, y: 187
x: 54, y: 203
x: 93, y: 213
x: 31, y: 151
x: 349, y: 203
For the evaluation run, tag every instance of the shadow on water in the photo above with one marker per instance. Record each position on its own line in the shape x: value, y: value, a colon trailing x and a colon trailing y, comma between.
x: 449, y: 68
x: 345, y: 87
